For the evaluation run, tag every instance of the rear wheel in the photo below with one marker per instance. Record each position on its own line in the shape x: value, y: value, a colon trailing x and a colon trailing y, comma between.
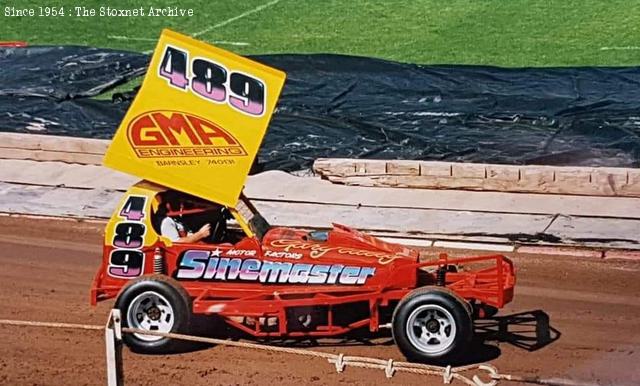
x: 432, y: 325
x: 154, y: 303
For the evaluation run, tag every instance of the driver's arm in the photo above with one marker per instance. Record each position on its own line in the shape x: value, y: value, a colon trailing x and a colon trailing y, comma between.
x: 169, y: 230
x: 203, y: 232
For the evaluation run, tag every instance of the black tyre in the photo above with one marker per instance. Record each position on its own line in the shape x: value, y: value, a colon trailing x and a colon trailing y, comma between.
x: 432, y: 325
x: 154, y: 303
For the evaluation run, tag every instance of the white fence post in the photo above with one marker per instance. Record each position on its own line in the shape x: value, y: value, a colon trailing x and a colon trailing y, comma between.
x: 113, y: 341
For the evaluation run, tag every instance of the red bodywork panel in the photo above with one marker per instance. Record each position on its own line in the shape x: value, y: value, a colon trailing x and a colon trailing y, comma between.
x: 292, y: 270
x: 13, y: 44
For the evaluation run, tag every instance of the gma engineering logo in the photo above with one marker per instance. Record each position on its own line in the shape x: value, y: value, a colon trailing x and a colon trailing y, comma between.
x: 167, y: 134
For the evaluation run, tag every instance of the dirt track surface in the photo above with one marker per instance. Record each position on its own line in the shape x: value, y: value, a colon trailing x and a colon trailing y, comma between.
x: 592, y: 307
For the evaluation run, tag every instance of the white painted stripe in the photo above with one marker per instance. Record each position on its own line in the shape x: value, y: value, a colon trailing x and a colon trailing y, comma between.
x: 410, y: 242
x: 560, y: 250
x: 479, y: 246
x: 619, y: 48
x: 133, y: 38
x: 121, y: 37
x: 224, y: 42
x: 249, y: 12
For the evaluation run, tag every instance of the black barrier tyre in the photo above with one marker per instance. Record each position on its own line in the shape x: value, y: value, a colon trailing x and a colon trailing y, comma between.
x: 154, y: 303
x: 432, y: 325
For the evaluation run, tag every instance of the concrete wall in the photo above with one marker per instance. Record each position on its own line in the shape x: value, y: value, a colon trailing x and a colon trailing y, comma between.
x: 590, y: 181
x: 52, y: 148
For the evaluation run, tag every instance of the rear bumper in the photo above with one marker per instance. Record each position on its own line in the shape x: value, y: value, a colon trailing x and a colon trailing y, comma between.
x: 491, y: 280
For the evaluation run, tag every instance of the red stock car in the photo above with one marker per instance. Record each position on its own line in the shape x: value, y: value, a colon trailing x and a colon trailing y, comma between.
x: 288, y: 283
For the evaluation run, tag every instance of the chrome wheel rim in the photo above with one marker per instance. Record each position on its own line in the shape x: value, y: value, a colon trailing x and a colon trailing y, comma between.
x: 152, y: 312
x: 431, y: 329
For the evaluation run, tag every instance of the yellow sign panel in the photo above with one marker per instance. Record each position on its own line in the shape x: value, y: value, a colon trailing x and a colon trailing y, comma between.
x: 198, y: 119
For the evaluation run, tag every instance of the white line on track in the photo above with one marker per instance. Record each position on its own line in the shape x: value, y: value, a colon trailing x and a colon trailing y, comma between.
x: 240, y: 16
x: 208, y: 29
x: 120, y: 37
x: 222, y: 42
x: 619, y: 48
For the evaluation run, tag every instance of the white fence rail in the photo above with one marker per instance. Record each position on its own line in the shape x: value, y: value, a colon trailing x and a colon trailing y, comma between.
x: 465, y: 374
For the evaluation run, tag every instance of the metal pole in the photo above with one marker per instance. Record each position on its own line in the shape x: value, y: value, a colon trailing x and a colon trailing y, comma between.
x: 113, y: 341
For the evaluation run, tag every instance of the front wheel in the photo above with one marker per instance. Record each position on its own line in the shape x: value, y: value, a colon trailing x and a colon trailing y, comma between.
x: 154, y: 303
x: 432, y: 325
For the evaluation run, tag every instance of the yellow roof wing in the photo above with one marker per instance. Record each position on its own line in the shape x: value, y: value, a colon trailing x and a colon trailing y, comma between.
x: 198, y: 119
